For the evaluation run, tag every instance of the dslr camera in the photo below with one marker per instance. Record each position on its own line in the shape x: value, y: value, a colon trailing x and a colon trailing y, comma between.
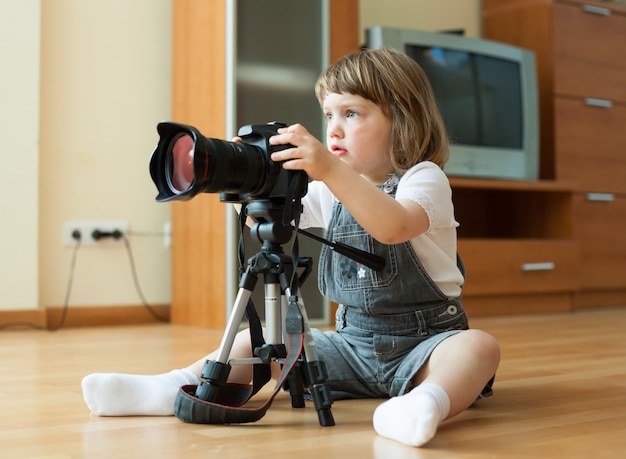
x: 186, y: 163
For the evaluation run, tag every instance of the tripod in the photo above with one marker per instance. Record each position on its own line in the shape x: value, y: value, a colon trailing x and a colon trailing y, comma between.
x: 301, y: 365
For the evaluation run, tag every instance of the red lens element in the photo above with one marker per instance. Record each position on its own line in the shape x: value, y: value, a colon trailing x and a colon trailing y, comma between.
x: 182, y: 163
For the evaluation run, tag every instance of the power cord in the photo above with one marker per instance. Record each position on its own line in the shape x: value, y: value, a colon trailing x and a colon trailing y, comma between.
x: 97, y: 234
x: 68, y: 290
x: 70, y: 281
x: 133, y: 270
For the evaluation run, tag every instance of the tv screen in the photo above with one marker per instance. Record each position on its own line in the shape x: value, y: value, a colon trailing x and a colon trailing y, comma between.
x: 487, y: 95
x: 478, y: 96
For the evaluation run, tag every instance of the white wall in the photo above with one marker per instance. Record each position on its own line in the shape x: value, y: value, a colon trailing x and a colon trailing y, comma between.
x: 106, y: 82
x: 19, y: 151
x: 432, y: 15
x: 88, y: 80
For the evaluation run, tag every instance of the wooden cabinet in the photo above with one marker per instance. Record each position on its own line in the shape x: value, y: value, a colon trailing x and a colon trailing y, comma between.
x: 579, y: 46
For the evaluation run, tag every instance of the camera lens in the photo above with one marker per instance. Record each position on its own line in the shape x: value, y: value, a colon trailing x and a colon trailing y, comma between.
x: 181, y: 163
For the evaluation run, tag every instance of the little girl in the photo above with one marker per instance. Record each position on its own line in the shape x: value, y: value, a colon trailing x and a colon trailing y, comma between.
x: 401, y: 333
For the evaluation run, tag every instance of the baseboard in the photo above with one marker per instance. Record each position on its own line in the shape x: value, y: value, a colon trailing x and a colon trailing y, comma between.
x: 32, y: 318
x: 87, y: 316
x: 599, y: 299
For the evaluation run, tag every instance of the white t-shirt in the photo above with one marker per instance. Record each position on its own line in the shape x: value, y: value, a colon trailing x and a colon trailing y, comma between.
x: 427, y: 185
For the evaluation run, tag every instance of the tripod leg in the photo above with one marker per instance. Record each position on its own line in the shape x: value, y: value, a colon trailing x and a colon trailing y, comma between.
x: 273, y: 312
x: 314, y: 372
x: 296, y: 384
x: 215, y: 372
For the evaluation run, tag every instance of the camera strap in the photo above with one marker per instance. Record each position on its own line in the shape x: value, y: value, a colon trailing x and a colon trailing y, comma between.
x: 229, y: 407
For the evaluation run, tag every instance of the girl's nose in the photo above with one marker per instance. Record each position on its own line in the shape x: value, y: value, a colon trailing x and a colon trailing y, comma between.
x: 334, y: 130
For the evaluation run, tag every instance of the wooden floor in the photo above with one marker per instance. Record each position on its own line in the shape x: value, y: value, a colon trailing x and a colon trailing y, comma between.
x: 560, y: 393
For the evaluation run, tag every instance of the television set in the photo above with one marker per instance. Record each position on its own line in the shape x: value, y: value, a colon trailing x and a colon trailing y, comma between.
x: 487, y: 95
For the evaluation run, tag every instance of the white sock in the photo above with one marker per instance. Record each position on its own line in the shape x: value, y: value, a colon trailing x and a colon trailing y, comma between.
x: 413, y: 418
x: 116, y: 394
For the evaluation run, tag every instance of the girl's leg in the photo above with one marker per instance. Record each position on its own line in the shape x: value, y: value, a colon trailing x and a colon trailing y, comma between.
x: 116, y: 394
x: 450, y: 381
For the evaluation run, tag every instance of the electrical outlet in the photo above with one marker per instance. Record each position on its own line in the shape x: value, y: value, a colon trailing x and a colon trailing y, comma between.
x: 113, y: 231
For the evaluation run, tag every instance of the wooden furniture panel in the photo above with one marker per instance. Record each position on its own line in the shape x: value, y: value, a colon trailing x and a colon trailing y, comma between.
x: 504, y: 209
x: 613, y: 4
x: 584, y: 64
x: 198, y: 226
x: 590, y: 144
x: 594, y: 299
x: 601, y: 220
x: 519, y: 266
x: 492, y: 305
x: 344, y: 28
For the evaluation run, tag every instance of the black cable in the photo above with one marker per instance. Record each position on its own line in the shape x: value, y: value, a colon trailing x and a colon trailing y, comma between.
x: 66, y: 302
x: 70, y: 282
x: 133, y: 270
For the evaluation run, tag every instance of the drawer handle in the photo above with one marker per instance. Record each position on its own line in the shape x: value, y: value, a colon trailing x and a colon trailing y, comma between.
x: 544, y: 266
x: 597, y: 10
x: 602, y: 103
x: 602, y: 197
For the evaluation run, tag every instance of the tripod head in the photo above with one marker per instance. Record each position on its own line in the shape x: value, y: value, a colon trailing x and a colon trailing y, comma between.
x: 268, y: 226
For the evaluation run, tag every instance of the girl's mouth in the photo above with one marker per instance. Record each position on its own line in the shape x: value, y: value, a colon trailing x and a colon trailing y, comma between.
x: 338, y: 151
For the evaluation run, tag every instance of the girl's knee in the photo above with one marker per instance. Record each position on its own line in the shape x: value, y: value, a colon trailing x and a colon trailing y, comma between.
x: 483, y: 344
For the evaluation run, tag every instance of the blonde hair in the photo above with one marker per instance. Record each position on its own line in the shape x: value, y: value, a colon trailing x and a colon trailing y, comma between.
x: 399, y: 86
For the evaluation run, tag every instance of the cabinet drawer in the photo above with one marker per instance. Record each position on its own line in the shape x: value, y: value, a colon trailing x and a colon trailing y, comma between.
x: 589, y: 51
x: 514, y: 266
x: 590, y: 145
x: 600, y: 230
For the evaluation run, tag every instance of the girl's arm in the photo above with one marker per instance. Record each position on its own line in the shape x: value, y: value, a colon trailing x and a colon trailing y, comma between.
x: 386, y: 219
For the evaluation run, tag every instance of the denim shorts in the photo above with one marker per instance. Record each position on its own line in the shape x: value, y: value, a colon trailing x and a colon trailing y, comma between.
x: 378, y: 356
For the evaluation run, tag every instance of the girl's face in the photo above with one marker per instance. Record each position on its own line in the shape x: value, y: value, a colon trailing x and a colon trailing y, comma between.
x: 359, y: 133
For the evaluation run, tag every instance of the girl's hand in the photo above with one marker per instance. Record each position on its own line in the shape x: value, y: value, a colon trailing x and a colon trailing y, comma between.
x: 307, y: 154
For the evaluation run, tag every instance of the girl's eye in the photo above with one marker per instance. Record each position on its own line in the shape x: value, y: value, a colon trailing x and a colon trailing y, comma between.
x: 349, y: 114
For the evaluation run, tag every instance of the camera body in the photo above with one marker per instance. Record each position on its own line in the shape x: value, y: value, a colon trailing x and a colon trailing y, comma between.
x: 185, y: 163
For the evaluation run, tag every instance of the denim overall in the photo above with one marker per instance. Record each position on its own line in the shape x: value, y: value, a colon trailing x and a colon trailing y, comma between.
x: 388, y: 322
